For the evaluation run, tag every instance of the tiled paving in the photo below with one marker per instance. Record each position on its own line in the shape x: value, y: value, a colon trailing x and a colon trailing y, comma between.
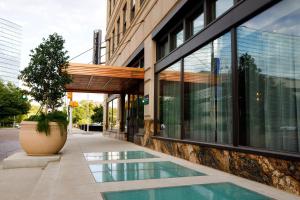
x: 72, y: 178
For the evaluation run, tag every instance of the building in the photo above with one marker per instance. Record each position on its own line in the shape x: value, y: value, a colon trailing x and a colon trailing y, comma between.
x: 10, y: 51
x: 215, y: 82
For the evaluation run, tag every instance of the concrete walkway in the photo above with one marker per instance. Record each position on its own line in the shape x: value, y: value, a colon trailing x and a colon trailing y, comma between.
x: 71, y: 179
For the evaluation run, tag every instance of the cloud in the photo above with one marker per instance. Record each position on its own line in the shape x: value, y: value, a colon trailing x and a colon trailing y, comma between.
x: 74, y: 20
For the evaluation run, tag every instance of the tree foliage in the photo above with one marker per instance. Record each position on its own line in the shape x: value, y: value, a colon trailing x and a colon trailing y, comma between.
x: 46, y: 75
x: 13, y: 101
x: 82, y: 114
x: 98, y: 114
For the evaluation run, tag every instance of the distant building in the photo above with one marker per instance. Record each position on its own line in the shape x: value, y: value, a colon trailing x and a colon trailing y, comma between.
x: 10, y: 51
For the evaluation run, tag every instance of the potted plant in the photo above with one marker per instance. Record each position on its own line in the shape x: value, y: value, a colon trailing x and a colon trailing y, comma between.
x: 46, y: 77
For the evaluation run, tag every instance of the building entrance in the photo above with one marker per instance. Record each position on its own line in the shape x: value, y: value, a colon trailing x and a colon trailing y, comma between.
x: 134, y: 116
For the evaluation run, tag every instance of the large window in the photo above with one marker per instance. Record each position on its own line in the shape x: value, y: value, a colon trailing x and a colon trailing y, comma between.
x: 222, y: 6
x: 169, y: 101
x: 132, y: 10
x: 118, y: 30
x: 112, y: 114
x: 163, y: 48
x: 244, y: 92
x: 113, y: 41
x: 124, y: 18
x: 269, y: 71
x: 177, y: 37
x: 207, y: 93
x: 195, y: 22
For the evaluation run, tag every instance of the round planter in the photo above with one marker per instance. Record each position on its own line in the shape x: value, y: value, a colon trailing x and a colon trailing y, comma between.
x: 38, y: 144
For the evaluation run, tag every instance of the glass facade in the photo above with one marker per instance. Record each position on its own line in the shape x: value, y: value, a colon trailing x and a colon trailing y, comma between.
x: 10, y: 51
x: 197, y: 94
x: 169, y: 101
x: 163, y: 49
x: 207, y: 93
x: 197, y: 24
x: 222, y: 6
x: 269, y: 70
x: 136, y: 113
x: 177, y: 38
x: 112, y: 114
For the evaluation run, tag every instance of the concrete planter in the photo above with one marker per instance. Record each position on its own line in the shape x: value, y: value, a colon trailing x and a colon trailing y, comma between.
x: 39, y: 144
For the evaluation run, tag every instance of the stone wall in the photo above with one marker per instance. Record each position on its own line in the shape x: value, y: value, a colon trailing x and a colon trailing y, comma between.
x: 278, y: 173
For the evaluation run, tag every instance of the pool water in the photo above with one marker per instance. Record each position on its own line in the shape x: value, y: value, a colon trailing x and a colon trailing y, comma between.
x: 214, y: 191
x: 122, y: 155
x: 110, y: 172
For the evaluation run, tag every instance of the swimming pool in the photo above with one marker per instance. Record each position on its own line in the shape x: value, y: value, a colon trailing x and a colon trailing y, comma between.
x: 110, y: 172
x: 118, y: 155
x: 214, y: 191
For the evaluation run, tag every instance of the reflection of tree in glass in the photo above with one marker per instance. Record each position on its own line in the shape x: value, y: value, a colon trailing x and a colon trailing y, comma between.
x: 251, y: 93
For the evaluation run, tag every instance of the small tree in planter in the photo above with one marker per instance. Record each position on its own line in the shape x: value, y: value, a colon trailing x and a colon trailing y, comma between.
x: 46, y: 77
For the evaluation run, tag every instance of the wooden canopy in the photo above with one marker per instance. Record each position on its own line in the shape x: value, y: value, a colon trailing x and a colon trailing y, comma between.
x: 104, y: 79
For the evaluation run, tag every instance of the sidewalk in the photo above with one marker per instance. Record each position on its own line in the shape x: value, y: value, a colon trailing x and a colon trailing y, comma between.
x: 71, y: 178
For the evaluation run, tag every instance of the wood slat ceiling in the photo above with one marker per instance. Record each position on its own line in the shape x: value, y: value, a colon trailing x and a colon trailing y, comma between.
x: 103, y: 79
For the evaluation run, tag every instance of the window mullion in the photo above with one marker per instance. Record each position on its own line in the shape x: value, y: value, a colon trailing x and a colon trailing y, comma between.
x: 182, y: 134
x: 235, y: 90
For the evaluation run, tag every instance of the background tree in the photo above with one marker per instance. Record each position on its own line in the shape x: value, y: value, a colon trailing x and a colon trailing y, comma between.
x: 13, y: 101
x: 46, y: 75
x: 98, y: 114
x: 82, y: 114
x: 33, y: 110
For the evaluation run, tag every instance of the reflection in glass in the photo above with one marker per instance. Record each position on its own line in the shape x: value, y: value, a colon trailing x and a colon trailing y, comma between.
x: 269, y: 70
x: 112, y: 114
x: 136, y: 114
x: 207, y: 92
x: 199, y: 119
x: 163, y: 49
x: 177, y: 38
x: 222, y: 6
x: 198, y: 24
x: 169, y: 101
x: 109, y: 116
x: 126, y: 113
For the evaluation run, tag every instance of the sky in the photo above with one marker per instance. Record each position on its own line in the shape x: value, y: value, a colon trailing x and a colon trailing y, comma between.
x: 75, y: 20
